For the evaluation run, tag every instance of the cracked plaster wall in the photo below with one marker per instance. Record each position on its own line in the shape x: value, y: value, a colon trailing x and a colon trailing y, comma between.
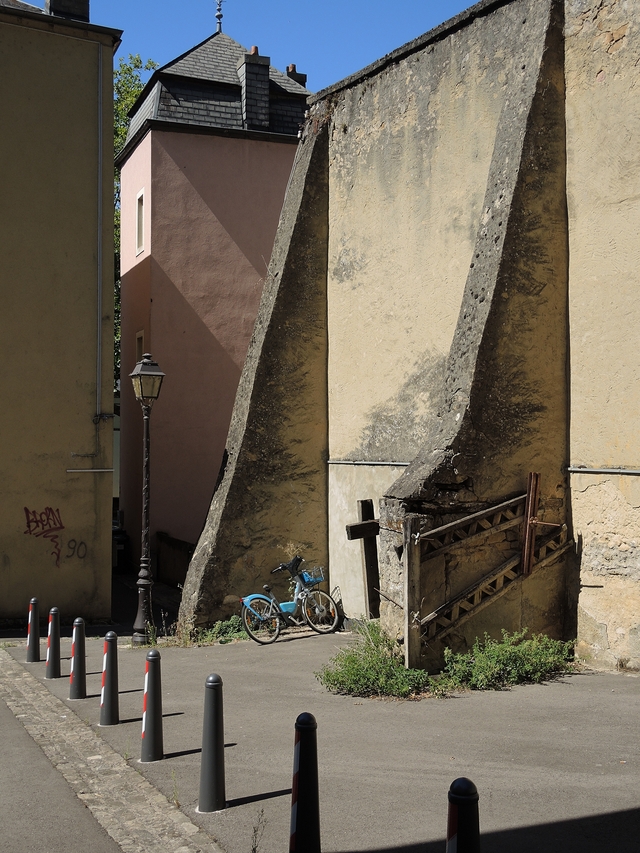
x: 603, y: 189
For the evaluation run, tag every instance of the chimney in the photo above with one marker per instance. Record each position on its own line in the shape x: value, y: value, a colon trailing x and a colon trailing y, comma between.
x: 295, y: 75
x: 75, y: 10
x: 253, y: 71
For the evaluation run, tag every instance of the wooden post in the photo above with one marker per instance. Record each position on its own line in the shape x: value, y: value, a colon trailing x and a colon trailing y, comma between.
x: 367, y: 528
x: 371, y: 575
x: 412, y: 593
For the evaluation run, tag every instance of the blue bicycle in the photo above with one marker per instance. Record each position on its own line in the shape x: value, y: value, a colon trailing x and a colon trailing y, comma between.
x: 263, y: 616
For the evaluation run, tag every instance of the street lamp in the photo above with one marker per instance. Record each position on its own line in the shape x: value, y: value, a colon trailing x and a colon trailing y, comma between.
x: 147, y: 379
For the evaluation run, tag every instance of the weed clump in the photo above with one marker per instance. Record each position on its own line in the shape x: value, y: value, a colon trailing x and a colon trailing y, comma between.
x: 373, y: 666
x: 221, y: 632
x: 186, y: 635
x: 499, y: 664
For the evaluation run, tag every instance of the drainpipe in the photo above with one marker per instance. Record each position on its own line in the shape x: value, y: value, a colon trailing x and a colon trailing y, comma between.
x: 99, y: 236
x: 99, y: 415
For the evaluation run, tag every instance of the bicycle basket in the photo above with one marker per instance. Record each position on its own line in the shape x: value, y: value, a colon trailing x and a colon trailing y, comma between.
x: 316, y: 577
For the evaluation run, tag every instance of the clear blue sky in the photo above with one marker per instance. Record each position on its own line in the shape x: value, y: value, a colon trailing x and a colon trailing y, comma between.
x: 327, y: 39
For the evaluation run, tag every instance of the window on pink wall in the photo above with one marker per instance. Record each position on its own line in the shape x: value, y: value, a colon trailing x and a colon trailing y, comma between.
x: 140, y: 222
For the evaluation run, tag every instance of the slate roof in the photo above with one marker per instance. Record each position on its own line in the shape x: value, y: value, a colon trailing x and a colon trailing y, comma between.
x: 217, y: 59
x: 18, y: 4
x: 202, y: 88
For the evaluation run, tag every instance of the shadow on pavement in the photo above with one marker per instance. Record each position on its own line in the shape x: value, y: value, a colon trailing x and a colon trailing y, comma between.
x: 139, y: 719
x: 617, y: 831
x: 182, y: 752
x: 256, y: 798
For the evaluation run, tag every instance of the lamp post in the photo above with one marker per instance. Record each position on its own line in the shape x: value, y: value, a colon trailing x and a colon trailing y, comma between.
x: 147, y: 379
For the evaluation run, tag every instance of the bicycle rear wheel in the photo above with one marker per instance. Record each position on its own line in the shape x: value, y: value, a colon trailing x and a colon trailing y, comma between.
x: 264, y: 627
x: 321, y: 612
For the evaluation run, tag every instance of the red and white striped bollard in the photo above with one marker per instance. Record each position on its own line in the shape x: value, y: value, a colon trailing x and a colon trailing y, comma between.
x: 33, y: 632
x: 78, y: 674
x: 304, y: 836
x: 109, y: 699
x: 52, y: 668
x: 463, y: 824
x: 152, y: 748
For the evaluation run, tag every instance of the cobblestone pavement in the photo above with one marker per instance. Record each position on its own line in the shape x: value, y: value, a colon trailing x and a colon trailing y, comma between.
x: 134, y: 813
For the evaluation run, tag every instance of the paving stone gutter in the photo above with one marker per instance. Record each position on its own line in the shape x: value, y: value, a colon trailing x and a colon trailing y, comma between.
x: 134, y: 813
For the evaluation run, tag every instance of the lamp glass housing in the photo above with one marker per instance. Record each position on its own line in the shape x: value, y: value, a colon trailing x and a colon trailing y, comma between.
x: 146, y: 378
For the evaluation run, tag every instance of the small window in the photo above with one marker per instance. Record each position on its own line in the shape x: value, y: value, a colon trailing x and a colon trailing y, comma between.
x: 139, y: 346
x: 140, y: 222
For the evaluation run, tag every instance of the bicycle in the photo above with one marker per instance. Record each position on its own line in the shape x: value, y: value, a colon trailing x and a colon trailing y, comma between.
x: 263, y: 616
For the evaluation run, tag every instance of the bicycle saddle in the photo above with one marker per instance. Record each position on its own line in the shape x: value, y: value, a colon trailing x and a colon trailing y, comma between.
x: 291, y: 566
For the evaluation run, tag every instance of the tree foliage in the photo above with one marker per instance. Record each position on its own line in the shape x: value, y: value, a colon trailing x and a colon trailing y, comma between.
x: 127, y: 86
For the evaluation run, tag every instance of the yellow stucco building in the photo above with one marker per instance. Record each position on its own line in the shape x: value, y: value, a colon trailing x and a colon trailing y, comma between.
x: 56, y: 324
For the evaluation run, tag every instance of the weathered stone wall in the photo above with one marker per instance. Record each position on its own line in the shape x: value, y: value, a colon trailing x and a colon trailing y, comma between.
x: 504, y: 409
x: 409, y: 152
x: 460, y: 236
x: 603, y: 187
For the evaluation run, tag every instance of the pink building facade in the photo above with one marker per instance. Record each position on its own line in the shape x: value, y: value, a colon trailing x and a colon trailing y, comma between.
x: 204, y: 173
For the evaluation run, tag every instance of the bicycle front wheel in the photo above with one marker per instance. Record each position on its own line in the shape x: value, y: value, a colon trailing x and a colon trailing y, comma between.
x: 321, y: 612
x: 260, y: 623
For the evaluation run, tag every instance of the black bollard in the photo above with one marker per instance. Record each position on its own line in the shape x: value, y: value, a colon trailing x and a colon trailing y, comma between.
x: 52, y: 669
x: 305, y: 801
x: 212, y: 789
x: 78, y: 674
x: 109, y: 700
x: 152, y: 747
x: 463, y: 824
x: 33, y: 632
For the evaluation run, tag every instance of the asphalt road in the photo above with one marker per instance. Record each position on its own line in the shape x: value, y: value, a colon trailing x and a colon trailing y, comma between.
x: 556, y: 765
x: 40, y: 813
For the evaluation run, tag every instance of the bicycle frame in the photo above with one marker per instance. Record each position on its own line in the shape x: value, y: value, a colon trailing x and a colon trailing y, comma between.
x: 289, y: 618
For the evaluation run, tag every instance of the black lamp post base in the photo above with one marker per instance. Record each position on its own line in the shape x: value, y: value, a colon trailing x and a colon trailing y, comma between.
x: 144, y: 617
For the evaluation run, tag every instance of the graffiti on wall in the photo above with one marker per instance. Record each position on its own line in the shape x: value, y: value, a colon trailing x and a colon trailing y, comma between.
x: 46, y: 524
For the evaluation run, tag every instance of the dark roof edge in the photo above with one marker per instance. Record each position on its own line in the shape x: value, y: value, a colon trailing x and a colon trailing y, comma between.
x: 41, y: 17
x: 182, y: 127
x: 159, y: 76
x: 190, y: 50
x: 459, y: 22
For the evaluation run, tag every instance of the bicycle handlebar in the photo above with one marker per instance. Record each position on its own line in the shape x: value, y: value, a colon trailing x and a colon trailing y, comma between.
x: 292, y: 566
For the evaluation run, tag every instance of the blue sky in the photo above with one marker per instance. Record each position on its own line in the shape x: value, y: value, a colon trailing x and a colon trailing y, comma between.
x: 327, y: 39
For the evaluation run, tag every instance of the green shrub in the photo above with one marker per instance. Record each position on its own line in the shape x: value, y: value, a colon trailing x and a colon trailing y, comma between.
x: 497, y: 664
x: 373, y: 666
